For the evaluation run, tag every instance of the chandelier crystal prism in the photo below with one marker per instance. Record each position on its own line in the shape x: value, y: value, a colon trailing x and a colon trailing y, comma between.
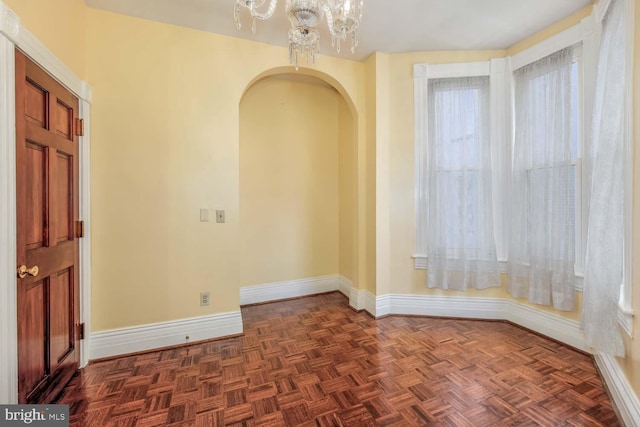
x: 343, y: 20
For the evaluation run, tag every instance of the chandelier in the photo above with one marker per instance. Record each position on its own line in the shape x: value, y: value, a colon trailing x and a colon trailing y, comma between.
x: 343, y: 19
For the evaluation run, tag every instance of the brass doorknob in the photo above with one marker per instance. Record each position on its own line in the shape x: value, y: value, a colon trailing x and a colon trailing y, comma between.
x: 23, y: 271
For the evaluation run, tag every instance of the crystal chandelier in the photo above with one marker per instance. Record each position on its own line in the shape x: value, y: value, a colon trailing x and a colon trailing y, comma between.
x: 343, y: 19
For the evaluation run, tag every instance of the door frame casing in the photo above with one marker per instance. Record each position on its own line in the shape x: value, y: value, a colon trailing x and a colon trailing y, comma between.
x: 14, y: 35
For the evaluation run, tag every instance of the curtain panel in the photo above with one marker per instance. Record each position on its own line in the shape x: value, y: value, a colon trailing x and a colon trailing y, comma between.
x: 460, y: 239
x: 542, y: 202
x: 604, y: 259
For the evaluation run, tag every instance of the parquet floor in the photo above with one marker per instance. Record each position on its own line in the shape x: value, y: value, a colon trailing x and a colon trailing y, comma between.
x: 315, y: 362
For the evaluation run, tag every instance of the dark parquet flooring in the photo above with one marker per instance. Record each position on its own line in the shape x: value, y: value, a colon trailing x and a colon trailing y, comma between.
x: 315, y: 362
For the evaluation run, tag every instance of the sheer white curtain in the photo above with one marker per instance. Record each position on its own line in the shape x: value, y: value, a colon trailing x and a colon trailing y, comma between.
x: 542, y: 229
x: 604, y: 262
x: 460, y: 243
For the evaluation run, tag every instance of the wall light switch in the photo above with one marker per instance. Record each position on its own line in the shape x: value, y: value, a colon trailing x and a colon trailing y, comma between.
x: 204, y: 215
x: 220, y: 216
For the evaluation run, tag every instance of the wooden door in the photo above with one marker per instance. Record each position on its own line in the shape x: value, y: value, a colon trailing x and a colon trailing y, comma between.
x: 47, y: 208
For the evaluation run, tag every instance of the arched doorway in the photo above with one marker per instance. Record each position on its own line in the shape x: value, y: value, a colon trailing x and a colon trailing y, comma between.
x: 298, y: 180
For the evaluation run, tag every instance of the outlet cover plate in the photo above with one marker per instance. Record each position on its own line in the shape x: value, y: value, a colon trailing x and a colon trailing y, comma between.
x: 204, y: 298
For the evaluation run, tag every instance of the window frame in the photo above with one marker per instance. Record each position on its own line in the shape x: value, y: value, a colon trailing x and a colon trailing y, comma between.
x: 496, y: 69
x: 581, y: 192
x: 502, y: 105
x: 450, y: 172
x: 587, y: 33
x: 585, y: 54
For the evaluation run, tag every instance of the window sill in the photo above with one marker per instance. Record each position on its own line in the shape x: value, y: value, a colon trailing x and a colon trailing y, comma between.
x: 420, y: 263
x: 625, y: 319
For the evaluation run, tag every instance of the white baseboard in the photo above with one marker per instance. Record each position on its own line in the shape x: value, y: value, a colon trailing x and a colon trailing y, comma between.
x: 543, y: 322
x: 358, y: 299
x: 621, y: 391
x: 157, y: 335
x: 381, y: 305
x: 424, y: 305
x: 370, y: 303
x: 344, y: 286
x: 147, y: 337
x: 364, y: 300
x: 551, y: 325
x: 290, y: 289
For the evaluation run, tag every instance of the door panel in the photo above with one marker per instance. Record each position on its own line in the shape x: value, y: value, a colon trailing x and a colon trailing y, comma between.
x: 64, y: 194
x: 64, y: 124
x: 47, y: 208
x: 36, y: 104
x: 31, y: 323
x: 35, y: 169
x: 61, y: 321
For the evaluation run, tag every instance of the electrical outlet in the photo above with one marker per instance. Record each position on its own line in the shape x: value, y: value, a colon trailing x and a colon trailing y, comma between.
x: 204, y: 298
x: 219, y: 216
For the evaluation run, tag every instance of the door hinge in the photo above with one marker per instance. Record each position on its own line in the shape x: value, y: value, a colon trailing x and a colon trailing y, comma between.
x: 79, y: 229
x: 81, y: 331
x: 79, y: 127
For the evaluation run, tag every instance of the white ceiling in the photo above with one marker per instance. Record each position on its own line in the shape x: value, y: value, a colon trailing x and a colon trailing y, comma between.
x: 389, y: 26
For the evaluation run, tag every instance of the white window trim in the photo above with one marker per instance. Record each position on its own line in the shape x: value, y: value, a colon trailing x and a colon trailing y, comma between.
x: 626, y: 293
x: 589, y: 33
x: 587, y: 41
x: 497, y: 70
x: 581, y: 192
x: 586, y: 33
x: 566, y: 38
x: 446, y: 71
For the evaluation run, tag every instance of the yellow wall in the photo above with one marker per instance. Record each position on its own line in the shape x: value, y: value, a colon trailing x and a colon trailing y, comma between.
x: 406, y: 279
x: 367, y: 177
x: 165, y: 143
x: 383, y: 140
x: 348, y: 206
x: 160, y: 152
x: 61, y: 25
x: 289, y: 191
x: 550, y: 31
x: 631, y: 363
